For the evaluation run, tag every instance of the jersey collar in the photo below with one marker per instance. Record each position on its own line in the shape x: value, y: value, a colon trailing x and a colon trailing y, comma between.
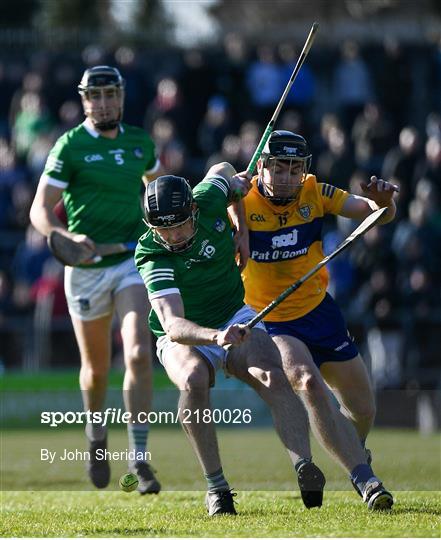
x: 94, y: 133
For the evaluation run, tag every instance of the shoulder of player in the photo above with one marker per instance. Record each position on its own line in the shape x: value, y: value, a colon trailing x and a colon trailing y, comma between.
x: 312, y: 188
x: 71, y: 135
x: 136, y: 131
x: 211, y: 185
x: 78, y: 136
x: 147, y: 247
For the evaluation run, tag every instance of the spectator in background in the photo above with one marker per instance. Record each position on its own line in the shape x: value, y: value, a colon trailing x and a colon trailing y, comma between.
x: 336, y: 164
x: 428, y: 193
x: 51, y: 317
x: 384, y: 335
x: 342, y: 276
x: 372, y: 135
x: 230, y: 152
x: 32, y: 120
x: 196, y: 82
x: 416, y: 239
x: 62, y: 86
x: 214, y: 126
x: 21, y: 198
x: 8, y: 86
x: 30, y: 257
x: 436, y: 75
x: 291, y: 121
x: 139, y: 88
x: 394, y: 73
x: 300, y: 97
x: 6, y: 308
x: 37, y: 154
x: 249, y: 136
x: 168, y: 104
x: 164, y: 132
x: 32, y: 83
x: 353, y: 85
x: 430, y: 166
x: 433, y: 125
x: 372, y: 251
x: 230, y: 78
x: 420, y: 291
x: 69, y: 115
x: 400, y: 161
x: 11, y: 174
x: 320, y: 140
x: 263, y: 79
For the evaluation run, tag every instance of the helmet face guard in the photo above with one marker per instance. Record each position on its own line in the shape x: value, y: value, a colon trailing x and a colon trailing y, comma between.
x: 168, y: 204
x: 285, y: 157
x: 99, y: 84
x: 181, y: 245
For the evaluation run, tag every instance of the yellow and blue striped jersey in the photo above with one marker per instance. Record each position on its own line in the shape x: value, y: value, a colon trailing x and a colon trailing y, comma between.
x: 285, y: 243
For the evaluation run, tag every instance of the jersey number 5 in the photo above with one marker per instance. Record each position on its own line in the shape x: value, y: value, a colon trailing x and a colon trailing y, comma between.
x: 119, y: 159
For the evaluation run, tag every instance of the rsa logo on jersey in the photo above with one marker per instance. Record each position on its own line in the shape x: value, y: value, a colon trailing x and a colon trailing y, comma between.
x: 277, y: 253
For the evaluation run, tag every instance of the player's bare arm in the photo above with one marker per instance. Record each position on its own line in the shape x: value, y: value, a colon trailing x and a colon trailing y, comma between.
x: 170, y: 311
x: 239, y: 187
x: 44, y: 219
x: 149, y: 176
x: 378, y: 194
x: 239, y: 182
x: 237, y: 215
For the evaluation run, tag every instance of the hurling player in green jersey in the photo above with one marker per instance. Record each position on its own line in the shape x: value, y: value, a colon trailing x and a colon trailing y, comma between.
x: 98, y: 168
x: 187, y: 262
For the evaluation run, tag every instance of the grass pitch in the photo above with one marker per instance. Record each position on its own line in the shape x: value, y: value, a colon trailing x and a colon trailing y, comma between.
x: 261, y: 514
x: 54, y: 501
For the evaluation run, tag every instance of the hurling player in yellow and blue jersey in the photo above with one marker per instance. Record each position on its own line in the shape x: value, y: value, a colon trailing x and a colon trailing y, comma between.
x: 284, y: 212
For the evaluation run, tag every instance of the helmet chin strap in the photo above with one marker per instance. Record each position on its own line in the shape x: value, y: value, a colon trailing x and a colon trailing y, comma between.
x: 105, y: 126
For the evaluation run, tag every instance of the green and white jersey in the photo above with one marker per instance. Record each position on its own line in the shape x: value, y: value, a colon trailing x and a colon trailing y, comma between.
x: 206, y: 276
x: 102, y: 180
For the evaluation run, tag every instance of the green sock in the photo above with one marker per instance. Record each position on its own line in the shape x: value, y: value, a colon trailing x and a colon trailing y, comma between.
x: 138, y: 437
x: 216, y: 481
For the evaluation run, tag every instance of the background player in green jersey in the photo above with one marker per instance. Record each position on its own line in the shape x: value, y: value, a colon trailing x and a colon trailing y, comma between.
x: 97, y: 168
x: 187, y: 262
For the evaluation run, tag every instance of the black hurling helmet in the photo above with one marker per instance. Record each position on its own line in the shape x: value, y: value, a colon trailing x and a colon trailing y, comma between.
x: 287, y: 146
x: 168, y: 203
x: 103, y: 77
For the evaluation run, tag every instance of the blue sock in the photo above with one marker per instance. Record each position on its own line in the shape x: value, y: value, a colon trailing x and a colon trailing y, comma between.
x: 361, y: 474
x: 363, y: 443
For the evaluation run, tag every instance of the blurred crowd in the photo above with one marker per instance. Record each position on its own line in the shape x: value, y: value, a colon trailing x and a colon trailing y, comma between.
x: 371, y: 110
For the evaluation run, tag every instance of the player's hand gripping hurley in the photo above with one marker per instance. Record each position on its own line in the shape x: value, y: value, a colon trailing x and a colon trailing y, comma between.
x: 71, y: 253
x: 269, y: 128
x: 367, y: 224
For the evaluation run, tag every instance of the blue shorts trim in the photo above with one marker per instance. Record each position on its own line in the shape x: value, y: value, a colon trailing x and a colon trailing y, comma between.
x: 323, y: 330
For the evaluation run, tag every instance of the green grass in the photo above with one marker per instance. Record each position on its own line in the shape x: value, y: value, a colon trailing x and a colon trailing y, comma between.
x: 261, y: 514
x: 56, y: 500
x: 66, y: 380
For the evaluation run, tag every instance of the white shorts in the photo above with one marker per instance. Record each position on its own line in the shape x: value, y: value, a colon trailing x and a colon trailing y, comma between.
x: 214, y: 354
x: 90, y: 291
